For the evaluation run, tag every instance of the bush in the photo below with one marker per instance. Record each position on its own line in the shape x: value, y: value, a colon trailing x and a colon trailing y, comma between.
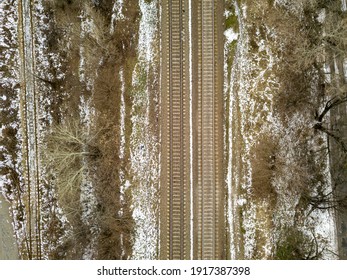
x: 296, y: 245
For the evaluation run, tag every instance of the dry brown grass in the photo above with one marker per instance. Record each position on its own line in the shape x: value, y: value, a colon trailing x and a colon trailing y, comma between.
x: 104, y: 55
x: 115, y: 241
x: 265, y: 163
x: 296, y: 40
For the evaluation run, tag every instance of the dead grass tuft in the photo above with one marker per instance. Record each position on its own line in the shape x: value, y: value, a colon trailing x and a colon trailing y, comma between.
x: 265, y: 163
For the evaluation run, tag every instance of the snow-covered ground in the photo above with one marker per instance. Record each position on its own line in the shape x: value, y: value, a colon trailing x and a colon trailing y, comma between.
x: 144, y: 145
x: 10, y: 104
x: 251, y: 79
x: 252, y: 85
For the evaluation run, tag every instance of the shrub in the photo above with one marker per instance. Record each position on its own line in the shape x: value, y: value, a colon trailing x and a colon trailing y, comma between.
x: 296, y: 245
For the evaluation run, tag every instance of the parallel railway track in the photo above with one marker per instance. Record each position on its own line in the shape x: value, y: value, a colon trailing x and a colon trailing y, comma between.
x: 209, y: 237
x: 175, y: 183
x: 207, y: 132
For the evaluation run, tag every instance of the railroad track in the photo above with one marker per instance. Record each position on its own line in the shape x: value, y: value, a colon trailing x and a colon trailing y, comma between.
x: 29, y: 123
x: 209, y: 220
x: 175, y: 176
x: 207, y: 131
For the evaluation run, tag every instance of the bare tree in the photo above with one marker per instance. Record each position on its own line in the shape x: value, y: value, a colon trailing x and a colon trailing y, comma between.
x: 325, y: 200
x: 69, y: 149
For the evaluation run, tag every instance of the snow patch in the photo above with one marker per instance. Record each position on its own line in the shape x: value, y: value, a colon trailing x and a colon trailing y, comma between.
x: 343, y: 5
x: 117, y: 14
x: 144, y: 145
x: 230, y: 35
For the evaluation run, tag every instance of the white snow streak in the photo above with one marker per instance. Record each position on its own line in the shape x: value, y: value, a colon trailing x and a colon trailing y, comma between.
x: 117, y: 13
x: 144, y: 155
x: 122, y: 115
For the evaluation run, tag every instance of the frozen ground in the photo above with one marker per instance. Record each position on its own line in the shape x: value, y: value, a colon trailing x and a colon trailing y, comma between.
x: 8, y: 83
x: 144, y: 145
x: 253, y: 82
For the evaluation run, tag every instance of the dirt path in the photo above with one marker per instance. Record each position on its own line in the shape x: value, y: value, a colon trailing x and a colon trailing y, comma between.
x: 8, y: 246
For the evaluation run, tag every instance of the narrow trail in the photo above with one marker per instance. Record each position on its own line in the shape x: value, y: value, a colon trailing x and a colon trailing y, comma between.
x: 235, y: 166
